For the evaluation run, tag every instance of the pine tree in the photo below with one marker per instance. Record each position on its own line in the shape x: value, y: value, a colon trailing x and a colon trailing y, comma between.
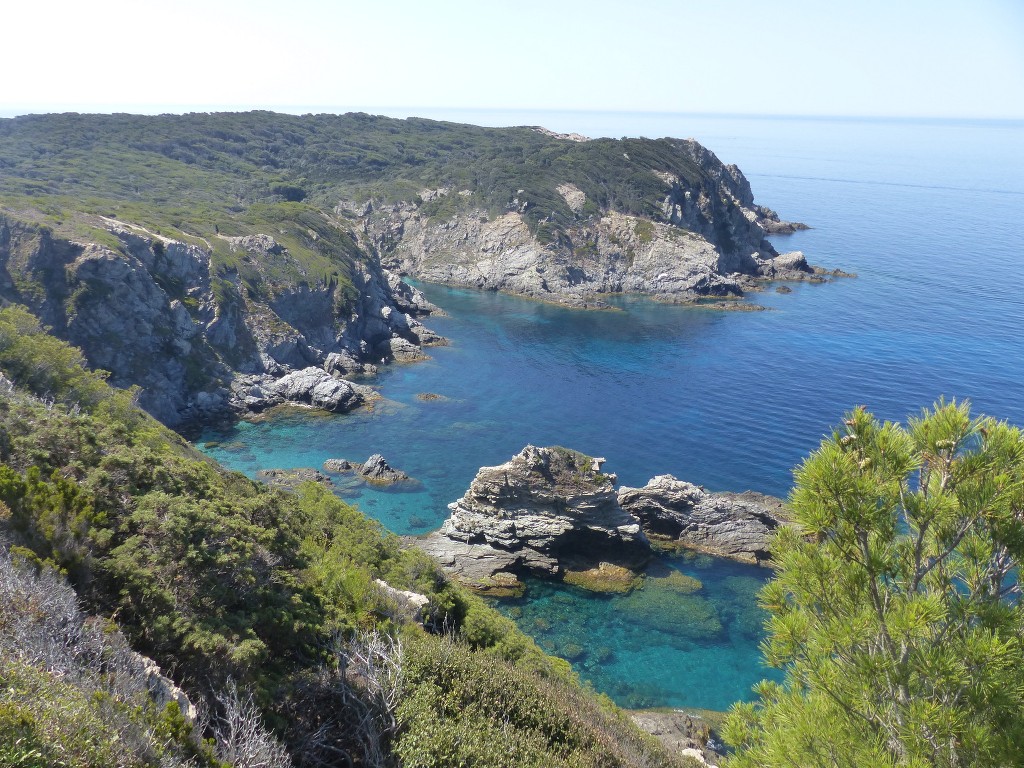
x: 895, y: 611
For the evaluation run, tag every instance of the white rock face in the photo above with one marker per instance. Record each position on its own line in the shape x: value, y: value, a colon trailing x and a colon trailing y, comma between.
x: 574, y: 197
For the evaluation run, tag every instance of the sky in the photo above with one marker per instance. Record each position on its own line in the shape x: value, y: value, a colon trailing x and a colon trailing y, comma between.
x: 881, y: 58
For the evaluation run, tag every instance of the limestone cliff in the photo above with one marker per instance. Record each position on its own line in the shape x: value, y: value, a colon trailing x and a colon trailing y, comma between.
x: 200, y: 342
x: 706, y: 238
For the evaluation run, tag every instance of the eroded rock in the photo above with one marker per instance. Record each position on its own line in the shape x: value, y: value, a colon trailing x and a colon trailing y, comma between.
x: 375, y: 470
x: 545, y: 511
x: 680, y: 514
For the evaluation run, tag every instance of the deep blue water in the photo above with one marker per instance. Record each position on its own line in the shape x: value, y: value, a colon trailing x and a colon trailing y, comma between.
x: 927, y: 213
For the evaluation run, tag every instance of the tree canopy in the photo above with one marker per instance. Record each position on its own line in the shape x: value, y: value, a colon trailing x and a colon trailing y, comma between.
x: 896, y: 609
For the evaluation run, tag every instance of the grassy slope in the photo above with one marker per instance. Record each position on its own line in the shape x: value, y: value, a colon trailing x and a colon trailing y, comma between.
x: 217, y: 577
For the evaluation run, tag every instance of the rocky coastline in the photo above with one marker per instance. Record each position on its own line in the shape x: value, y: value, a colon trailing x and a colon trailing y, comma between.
x: 708, y: 240
x: 203, y: 346
x: 553, y: 512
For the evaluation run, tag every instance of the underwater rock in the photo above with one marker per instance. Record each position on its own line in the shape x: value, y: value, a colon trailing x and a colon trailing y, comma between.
x: 605, y: 577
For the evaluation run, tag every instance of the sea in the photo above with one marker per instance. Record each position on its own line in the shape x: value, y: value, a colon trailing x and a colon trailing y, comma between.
x: 928, y: 215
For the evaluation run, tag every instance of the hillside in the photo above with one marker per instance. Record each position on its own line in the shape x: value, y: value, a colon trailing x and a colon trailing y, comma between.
x: 207, y: 257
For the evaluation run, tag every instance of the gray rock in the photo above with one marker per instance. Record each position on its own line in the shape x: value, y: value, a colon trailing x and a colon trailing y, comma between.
x: 376, y: 470
x: 398, y: 349
x: 678, y: 513
x: 543, y: 511
x: 409, y: 605
x: 202, y: 345
x: 318, y: 388
x: 338, y: 465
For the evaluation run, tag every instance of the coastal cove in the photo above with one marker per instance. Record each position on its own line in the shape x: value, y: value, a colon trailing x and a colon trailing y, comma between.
x: 730, y: 400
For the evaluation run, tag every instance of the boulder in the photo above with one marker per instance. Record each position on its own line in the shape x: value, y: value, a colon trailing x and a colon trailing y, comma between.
x: 398, y: 349
x: 377, y: 470
x: 318, y: 388
x: 679, y: 514
x: 408, y: 605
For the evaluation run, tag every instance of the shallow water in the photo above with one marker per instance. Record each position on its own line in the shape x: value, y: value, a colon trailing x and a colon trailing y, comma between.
x: 926, y: 213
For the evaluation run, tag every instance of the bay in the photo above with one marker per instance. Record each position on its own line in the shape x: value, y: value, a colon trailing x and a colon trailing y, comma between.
x: 925, y: 212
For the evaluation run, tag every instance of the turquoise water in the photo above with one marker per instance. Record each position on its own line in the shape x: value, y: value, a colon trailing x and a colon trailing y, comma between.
x: 927, y: 214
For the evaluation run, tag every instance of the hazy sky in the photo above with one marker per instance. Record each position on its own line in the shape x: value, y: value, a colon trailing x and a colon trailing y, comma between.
x: 934, y: 58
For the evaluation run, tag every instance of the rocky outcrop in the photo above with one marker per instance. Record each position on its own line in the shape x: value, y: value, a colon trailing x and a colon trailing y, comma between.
x: 314, y: 387
x: 543, y: 512
x: 161, y: 688
x: 679, y: 514
x: 552, y: 512
x: 409, y: 606
x: 682, y: 734
x: 374, y: 470
x: 200, y: 341
x: 709, y: 240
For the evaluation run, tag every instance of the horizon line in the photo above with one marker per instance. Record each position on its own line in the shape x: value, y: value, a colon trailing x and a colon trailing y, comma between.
x: 8, y: 112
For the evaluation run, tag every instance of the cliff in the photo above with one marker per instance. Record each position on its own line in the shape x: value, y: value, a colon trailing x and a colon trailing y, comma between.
x: 201, y: 342
x: 697, y: 233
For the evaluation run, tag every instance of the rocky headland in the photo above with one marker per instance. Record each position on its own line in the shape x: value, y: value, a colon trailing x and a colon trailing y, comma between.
x: 553, y: 512
x: 705, y: 237
x: 252, y: 272
x: 202, y: 343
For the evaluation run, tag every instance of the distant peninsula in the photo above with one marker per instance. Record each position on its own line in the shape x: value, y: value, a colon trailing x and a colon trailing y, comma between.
x: 227, y: 263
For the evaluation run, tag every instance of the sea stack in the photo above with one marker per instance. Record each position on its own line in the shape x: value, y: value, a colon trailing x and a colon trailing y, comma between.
x: 547, y: 512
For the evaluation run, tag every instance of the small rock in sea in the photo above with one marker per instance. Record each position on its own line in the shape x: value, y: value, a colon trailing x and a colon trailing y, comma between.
x: 338, y: 465
x: 377, y: 470
x: 783, y: 289
x: 428, y: 396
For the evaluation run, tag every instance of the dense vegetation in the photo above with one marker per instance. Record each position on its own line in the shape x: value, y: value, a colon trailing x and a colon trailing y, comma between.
x: 204, y: 175
x: 896, y: 610
x: 263, y: 605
